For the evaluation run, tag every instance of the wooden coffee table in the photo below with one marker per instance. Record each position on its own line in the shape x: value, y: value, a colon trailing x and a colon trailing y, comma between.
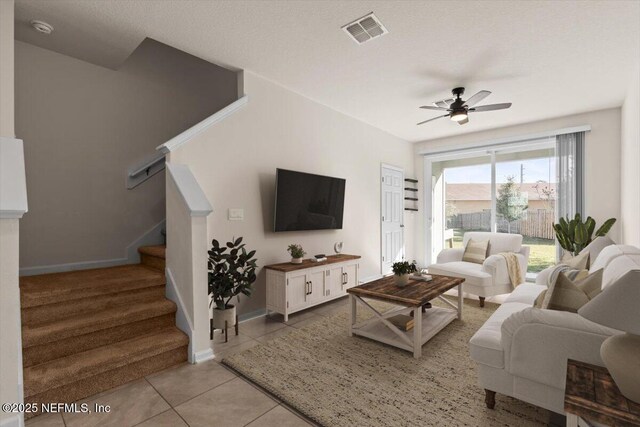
x: 412, y: 298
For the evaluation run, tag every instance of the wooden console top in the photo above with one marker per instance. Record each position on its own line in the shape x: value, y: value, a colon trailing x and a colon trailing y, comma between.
x: 287, y: 267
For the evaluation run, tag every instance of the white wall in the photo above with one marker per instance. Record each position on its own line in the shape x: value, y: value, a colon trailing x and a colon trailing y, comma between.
x: 235, y: 162
x: 602, y: 160
x: 10, y: 337
x: 84, y: 126
x: 630, y: 171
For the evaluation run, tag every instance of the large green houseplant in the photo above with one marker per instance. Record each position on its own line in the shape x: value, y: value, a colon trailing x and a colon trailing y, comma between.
x: 574, y: 235
x: 232, y: 271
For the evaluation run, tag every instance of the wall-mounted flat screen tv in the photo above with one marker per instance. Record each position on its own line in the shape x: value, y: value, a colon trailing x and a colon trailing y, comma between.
x: 306, y: 201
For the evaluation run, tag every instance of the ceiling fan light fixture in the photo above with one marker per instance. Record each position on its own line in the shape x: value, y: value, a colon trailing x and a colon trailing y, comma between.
x: 459, y: 116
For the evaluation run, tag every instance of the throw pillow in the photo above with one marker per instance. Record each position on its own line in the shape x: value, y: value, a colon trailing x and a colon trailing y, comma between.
x: 569, y: 295
x: 580, y: 261
x: 475, y: 251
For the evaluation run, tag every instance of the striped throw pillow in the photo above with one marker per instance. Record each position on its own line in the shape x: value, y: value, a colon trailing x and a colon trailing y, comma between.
x: 475, y: 251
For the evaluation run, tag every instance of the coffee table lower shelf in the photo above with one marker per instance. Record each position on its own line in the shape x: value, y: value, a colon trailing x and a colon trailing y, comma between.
x: 427, y: 324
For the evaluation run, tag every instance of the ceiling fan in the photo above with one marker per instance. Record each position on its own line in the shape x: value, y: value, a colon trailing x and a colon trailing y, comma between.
x: 458, y: 110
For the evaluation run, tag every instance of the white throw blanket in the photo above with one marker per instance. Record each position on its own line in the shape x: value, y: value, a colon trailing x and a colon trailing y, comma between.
x: 513, y: 268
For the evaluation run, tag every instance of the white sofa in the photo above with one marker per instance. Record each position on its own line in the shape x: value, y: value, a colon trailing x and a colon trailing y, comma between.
x: 491, y: 277
x: 522, y: 351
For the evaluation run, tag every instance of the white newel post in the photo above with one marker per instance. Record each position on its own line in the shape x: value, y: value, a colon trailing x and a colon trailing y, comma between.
x: 13, y: 205
x: 187, y: 244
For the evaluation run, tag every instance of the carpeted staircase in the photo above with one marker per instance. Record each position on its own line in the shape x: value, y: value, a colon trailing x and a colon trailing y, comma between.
x: 84, y: 332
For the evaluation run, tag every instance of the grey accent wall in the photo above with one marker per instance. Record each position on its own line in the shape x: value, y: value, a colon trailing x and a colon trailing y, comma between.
x: 84, y: 125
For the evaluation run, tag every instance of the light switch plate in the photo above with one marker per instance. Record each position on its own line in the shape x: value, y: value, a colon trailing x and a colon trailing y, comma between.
x: 235, y: 214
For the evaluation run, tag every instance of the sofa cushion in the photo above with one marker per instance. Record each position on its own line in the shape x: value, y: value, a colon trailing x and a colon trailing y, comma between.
x: 596, y: 246
x: 525, y: 293
x: 486, y: 345
x: 498, y: 242
x: 618, y: 266
x: 471, y: 272
x: 610, y: 253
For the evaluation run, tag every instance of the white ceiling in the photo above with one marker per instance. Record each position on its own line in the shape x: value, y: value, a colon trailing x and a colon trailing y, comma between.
x: 549, y: 58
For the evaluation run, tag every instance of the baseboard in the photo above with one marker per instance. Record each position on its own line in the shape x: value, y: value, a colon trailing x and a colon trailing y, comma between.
x: 72, y: 266
x: 14, y: 420
x: 252, y: 315
x: 150, y: 237
x: 202, y: 356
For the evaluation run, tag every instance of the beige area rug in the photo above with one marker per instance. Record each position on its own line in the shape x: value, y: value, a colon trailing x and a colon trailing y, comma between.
x: 337, y: 380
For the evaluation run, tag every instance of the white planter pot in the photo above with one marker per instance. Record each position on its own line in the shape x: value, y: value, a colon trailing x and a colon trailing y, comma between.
x: 296, y: 260
x: 219, y: 317
x: 401, y: 281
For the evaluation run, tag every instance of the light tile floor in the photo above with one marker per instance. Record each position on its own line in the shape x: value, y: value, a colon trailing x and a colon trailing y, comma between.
x: 206, y: 394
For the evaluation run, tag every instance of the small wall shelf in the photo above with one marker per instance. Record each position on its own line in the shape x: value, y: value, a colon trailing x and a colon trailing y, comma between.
x: 411, y: 198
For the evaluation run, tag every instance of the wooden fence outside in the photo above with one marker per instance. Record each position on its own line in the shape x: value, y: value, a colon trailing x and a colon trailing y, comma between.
x: 535, y: 224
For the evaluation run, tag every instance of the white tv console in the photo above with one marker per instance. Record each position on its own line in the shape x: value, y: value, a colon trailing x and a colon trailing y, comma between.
x: 295, y: 287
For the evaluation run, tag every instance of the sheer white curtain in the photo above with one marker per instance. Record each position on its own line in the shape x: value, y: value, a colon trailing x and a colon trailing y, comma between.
x: 569, y: 169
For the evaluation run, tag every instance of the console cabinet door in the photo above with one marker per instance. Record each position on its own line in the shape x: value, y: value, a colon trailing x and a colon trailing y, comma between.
x: 350, y: 276
x: 316, y: 286
x: 297, y: 289
x: 335, y: 281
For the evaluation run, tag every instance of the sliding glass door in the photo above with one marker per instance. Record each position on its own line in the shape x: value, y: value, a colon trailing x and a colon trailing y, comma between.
x: 505, y: 190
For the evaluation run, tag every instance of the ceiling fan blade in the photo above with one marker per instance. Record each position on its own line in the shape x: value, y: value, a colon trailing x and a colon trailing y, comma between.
x: 464, y: 121
x: 491, y: 107
x: 430, y: 120
x: 441, y: 104
x: 429, y: 107
x: 477, y: 98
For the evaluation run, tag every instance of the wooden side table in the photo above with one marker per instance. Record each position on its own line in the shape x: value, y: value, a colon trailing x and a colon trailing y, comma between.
x: 592, y: 394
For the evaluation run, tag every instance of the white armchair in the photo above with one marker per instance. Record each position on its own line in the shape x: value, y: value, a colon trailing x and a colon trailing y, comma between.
x: 491, y: 277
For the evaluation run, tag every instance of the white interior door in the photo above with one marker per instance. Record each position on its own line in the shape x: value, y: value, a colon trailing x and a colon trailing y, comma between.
x: 392, y: 216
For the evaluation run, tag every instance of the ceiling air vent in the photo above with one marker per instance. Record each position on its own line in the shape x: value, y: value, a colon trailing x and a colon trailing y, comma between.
x: 366, y: 28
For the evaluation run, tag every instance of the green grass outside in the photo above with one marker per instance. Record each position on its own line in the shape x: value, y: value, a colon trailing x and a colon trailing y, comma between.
x: 543, y: 251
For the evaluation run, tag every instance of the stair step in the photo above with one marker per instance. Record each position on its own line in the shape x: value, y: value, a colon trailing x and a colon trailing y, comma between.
x: 94, y: 322
x: 42, y: 353
x: 100, y: 362
x: 40, y: 314
x: 58, y: 287
x: 158, y: 251
x: 153, y: 256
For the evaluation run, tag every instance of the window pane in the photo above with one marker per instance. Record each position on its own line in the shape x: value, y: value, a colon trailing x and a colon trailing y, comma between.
x: 461, y: 200
x: 525, y: 202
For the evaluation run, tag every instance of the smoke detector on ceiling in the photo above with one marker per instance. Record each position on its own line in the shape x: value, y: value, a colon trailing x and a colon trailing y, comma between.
x: 41, y: 26
x: 366, y: 28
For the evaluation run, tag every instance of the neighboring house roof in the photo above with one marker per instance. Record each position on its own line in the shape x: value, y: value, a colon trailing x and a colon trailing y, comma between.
x: 483, y: 191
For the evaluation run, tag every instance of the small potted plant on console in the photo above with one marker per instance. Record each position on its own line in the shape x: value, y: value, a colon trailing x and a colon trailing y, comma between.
x: 401, y: 272
x: 230, y: 274
x: 296, y: 253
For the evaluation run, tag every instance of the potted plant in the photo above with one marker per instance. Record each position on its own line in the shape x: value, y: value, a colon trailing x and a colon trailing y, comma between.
x: 401, y: 271
x: 232, y: 271
x: 574, y: 235
x: 296, y: 253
